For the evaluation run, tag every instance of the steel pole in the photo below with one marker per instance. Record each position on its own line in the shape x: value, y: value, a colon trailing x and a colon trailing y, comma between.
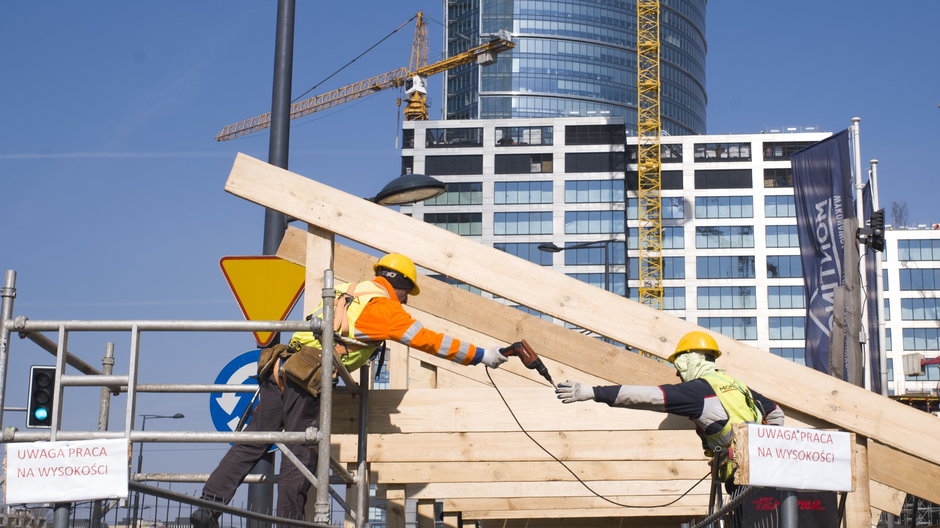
x: 322, y: 505
x: 261, y: 496
x: 104, y: 411
x: 8, y: 293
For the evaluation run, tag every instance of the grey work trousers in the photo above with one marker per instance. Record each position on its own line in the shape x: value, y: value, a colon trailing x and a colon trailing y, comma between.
x: 292, y: 410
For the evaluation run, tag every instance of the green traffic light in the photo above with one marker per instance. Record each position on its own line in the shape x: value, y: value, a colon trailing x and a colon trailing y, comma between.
x: 41, y: 413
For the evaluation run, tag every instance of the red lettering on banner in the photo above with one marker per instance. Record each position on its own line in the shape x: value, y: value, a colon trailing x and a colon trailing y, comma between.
x: 811, y: 505
x: 765, y: 503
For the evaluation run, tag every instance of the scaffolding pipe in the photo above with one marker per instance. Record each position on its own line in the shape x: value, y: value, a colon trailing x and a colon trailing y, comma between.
x: 310, y: 436
x: 50, y: 346
x: 22, y: 324
x: 8, y: 293
x: 322, y: 505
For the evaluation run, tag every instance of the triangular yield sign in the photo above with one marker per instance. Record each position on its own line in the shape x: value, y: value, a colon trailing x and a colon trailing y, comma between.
x: 266, y: 288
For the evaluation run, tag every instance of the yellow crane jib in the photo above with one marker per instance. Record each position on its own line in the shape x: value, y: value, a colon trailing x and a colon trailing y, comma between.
x: 416, y: 109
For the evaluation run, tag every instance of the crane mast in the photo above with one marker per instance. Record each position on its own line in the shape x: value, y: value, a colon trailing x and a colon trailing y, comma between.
x: 412, y: 77
x: 649, y: 162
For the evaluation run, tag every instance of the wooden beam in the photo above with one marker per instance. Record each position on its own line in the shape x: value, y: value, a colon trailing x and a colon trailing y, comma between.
x: 843, y: 404
x: 395, y: 506
x: 550, y: 471
x: 584, y: 522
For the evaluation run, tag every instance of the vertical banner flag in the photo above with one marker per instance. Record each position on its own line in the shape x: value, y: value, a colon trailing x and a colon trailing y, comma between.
x: 872, y: 269
x: 823, y: 196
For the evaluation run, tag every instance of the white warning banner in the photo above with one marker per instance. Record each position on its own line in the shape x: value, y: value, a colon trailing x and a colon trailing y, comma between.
x: 66, y: 471
x: 799, y: 459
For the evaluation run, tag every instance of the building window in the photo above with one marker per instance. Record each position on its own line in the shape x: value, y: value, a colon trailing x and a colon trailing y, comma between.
x: 522, y: 192
x: 921, y: 338
x: 453, y: 137
x: 779, y: 207
x: 513, y: 136
x: 615, y: 281
x: 672, y: 208
x: 920, y: 309
x: 673, y: 267
x: 740, y: 328
x: 887, y: 310
x: 710, y: 237
x: 453, y: 165
x: 796, y: 355
x: 919, y: 279
x: 724, y: 267
x: 786, y: 297
x: 595, y: 135
x: 673, y: 238
x: 465, y: 193
x: 522, y: 163
x: 526, y: 250
x: 668, y: 153
x: 705, y: 152
x: 727, y: 298
x: 784, y: 266
x: 595, y: 162
x: 787, y: 327
x: 723, y: 179
x: 724, y: 207
x: 888, y: 344
x: 931, y: 373
x: 461, y: 223
x: 670, y: 180
x: 781, y: 151
x: 884, y: 279
x: 593, y: 222
x: 774, y: 178
x: 593, y: 191
x: 522, y: 223
x: 673, y: 298
x: 407, y: 164
x: 408, y: 138
x: 918, y: 249
x: 782, y: 236
x: 590, y: 256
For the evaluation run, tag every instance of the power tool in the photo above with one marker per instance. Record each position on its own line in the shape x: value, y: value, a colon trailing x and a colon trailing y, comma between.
x: 529, y: 358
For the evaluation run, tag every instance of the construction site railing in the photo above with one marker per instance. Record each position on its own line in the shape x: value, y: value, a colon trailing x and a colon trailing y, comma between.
x: 128, y: 384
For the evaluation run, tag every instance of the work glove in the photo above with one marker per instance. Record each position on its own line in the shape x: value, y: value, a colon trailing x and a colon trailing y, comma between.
x: 571, y: 391
x: 492, y: 357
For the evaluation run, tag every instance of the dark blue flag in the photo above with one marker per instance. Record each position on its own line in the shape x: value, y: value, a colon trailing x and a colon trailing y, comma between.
x: 823, y: 195
x: 873, y: 302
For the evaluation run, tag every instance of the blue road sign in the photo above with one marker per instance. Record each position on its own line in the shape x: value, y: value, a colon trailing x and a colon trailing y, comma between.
x: 226, y: 408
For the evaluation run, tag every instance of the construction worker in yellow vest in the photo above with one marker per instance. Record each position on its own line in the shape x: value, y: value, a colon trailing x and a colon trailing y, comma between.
x: 708, y: 396
x: 289, y: 377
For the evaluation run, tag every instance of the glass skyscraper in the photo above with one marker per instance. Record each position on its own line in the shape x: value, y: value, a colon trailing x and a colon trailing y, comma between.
x: 575, y: 58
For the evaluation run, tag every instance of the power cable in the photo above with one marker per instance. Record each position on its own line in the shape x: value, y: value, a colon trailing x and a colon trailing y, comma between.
x: 314, y: 87
x: 573, y: 474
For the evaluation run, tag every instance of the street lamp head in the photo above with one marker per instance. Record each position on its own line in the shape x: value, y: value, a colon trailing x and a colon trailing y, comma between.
x: 178, y: 415
x: 550, y: 247
x: 408, y: 189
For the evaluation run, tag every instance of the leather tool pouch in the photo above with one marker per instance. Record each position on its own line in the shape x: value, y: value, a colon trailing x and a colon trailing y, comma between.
x: 303, y: 368
x: 269, y: 356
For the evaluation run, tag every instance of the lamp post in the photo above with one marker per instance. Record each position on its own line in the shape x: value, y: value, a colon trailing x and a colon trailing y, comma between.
x: 408, y: 189
x: 553, y: 248
x: 140, y: 454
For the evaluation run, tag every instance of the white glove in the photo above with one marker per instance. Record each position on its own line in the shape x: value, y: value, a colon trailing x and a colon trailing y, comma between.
x: 572, y: 391
x: 492, y: 357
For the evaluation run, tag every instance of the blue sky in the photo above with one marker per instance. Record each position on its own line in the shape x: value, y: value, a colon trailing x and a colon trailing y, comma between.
x: 112, y: 182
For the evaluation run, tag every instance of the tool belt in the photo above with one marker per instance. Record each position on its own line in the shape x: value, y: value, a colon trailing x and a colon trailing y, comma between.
x: 301, y: 364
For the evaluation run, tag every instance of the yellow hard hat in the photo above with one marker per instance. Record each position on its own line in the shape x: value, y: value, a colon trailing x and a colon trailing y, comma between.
x: 401, y: 264
x: 697, y: 341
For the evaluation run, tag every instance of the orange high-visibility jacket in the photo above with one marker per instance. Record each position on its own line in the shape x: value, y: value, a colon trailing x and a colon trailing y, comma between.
x: 383, y: 318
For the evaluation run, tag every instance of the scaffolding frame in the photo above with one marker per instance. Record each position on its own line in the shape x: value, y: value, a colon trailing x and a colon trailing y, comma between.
x: 319, y: 436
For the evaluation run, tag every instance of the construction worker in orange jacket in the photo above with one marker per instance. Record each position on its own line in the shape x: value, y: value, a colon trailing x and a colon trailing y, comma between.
x: 373, y: 313
x: 708, y: 396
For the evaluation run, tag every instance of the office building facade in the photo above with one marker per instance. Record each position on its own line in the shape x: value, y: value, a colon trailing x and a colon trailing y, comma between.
x: 730, y: 245
x: 575, y: 58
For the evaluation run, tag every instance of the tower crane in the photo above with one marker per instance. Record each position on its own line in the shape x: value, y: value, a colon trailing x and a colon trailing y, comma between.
x: 413, y: 78
x: 649, y: 162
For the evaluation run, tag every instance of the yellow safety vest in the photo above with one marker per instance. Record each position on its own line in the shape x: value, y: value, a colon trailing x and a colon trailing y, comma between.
x: 741, y: 408
x: 362, y: 292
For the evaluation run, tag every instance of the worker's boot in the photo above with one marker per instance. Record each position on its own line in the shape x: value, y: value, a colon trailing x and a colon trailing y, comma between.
x: 202, y: 518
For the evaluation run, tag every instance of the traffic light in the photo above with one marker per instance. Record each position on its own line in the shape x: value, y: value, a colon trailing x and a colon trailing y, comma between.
x: 876, y: 240
x: 41, y: 392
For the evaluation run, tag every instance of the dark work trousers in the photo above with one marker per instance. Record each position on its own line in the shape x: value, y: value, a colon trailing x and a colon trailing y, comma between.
x: 291, y: 410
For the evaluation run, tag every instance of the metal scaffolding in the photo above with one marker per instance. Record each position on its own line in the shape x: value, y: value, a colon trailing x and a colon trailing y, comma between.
x: 127, y: 383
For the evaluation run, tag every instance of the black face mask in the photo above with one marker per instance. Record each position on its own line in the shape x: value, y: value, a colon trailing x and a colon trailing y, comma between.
x: 396, y: 279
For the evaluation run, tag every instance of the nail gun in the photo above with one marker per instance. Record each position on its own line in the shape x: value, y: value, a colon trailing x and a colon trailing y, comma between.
x: 529, y: 358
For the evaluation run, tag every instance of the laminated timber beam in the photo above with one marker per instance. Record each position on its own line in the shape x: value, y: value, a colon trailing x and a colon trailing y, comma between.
x: 847, y: 406
x: 899, y: 428
x: 614, y: 521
